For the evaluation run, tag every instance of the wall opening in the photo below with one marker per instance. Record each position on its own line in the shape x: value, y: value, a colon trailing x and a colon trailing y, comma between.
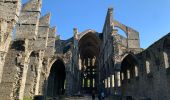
x: 121, y: 32
x: 56, y: 79
x: 88, y: 64
x: 129, y: 71
x: 166, y: 53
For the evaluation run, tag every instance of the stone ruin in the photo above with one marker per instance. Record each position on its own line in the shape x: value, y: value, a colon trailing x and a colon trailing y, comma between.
x: 37, y: 62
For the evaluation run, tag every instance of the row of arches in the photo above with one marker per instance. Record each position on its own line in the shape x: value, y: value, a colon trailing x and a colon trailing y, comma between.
x: 130, y: 67
x: 88, y: 51
x: 53, y: 86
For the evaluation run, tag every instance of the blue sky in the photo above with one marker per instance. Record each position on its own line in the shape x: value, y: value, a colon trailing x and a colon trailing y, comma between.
x: 151, y: 18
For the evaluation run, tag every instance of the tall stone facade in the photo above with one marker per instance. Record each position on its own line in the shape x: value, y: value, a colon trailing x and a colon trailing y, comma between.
x: 36, y: 62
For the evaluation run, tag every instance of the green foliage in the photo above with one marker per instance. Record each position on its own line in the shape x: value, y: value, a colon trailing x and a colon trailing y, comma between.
x: 57, y: 37
x: 27, y: 99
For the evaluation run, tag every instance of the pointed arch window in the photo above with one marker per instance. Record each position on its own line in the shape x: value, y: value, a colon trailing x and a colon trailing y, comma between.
x: 166, y: 59
x: 118, y: 79
x: 113, y: 81
x: 108, y: 82
x: 148, y: 67
x: 105, y: 83
x: 136, y: 71
x: 122, y: 76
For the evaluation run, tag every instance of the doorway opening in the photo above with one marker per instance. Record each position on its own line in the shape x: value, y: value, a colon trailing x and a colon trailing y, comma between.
x: 56, y: 79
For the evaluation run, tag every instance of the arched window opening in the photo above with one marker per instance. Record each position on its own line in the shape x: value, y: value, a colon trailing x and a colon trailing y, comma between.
x: 148, y: 67
x: 113, y: 81
x: 88, y: 61
x: 93, y: 82
x: 118, y: 79
x: 83, y: 82
x: 88, y: 82
x: 129, y: 67
x: 56, y: 79
x: 121, y: 32
x: 122, y: 76
x: 166, y: 60
x: 80, y: 63
x: 136, y: 71
x: 128, y: 74
x: 105, y: 83
x: 108, y: 82
x: 88, y: 48
x: 166, y: 53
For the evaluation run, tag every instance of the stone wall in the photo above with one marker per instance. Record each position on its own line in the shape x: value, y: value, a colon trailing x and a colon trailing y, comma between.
x: 26, y: 61
x: 153, y: 77
x: 8, y: 18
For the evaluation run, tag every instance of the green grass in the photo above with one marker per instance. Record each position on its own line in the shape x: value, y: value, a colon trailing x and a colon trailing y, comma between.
x: 27, y: 99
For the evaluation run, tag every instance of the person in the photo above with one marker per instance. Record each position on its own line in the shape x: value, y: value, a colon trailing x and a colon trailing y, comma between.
x: 102, y: 95
x: 93, y: 95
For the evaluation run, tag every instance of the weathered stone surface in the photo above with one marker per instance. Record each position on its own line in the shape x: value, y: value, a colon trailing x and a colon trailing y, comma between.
x: 26, y: 31
x: 32, y: 5
x: 45, y: 20
x: 27, y: 26
x: 29, y: 18
x: 39, y: 63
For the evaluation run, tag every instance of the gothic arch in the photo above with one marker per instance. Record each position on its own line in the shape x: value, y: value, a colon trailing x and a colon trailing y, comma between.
x: 32, y: 72
x: 88, y: 48
x: 129, y: 71
x: 148, y: 62
x: 56, y: 78
x: 121, y: 26
x: 129, y: 64
x: 89, y: 31
x: 53, y: 60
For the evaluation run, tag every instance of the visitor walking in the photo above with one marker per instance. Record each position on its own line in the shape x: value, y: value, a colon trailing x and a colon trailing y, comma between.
x: 102, y: 95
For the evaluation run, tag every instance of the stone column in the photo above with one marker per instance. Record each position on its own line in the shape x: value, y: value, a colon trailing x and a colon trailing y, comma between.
x: 9, y: 16
x: 2, y: 61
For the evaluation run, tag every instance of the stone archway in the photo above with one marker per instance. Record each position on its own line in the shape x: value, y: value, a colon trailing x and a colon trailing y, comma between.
x: 29, y: 90
x: 128, y: 72
x: 88, y: 47
x: 56, y: 79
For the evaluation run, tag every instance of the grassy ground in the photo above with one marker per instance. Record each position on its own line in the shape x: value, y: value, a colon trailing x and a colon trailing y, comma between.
x: 27, y: 99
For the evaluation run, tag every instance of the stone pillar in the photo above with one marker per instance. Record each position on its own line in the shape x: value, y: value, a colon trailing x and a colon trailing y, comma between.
x: 39, y: 68
x: 41, y: 45
x: 2, y: 61
x: 27, y: 28
x: 8, y: 17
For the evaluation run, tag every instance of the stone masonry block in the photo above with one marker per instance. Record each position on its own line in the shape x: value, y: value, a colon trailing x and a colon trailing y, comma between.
x: 32, y: 5
x: 133, y: 43
x: 3, y: 26
x: 11, y: 11
x: 51, y: 42
x: 49, y: 52
x: 26, y: 31
x: 43, y: 32
x: 45, y: 20
x: 132, y: 34
x: 40, y: 43
x: 29, y: 17
x: 52, y: 32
